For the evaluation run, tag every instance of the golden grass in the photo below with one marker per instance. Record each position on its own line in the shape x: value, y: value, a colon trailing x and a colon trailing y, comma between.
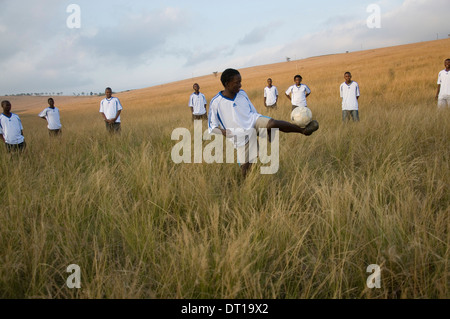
x: 140, y: 226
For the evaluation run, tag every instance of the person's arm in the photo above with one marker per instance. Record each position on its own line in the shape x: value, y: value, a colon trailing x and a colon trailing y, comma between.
x: 308, y: 92
x: 43, y: 115
x: 438, y: 91
x: 104, y: 117
x: 219, y: 131
x: 1, y: 134
x: 191, y: 105
x: 265, y: 101
x: 117, y: 116
x: 288, y: 94
x: 214, y: 125
x: 102, y: 112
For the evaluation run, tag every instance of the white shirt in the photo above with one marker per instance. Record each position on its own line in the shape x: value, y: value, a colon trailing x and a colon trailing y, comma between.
x: 238, y: 115
x: 110, y: 107
x: 298, y: 94
x: 52, y: 117
x: 444, y: 81
x: 198, y: 102
x: 349, y: 94
x: 271, y: 95
x: 11, y: 128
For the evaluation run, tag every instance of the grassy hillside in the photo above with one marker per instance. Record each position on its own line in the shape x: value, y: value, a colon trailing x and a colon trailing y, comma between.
x: 139, y: 226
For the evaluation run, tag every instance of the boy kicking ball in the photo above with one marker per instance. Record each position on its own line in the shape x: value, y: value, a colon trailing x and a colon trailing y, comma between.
x: 11, y: 129
x: 232, y: 112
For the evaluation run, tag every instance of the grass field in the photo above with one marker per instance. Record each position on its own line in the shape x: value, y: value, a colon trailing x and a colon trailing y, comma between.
x: 139, y: 226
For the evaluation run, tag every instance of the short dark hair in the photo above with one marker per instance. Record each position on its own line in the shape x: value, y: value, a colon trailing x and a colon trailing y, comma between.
x: 228, y: 75
x: 196, y: 84
x: 347, y: 73
x: 108, y: 88
x: 5, y: 102
x: 269, y: 79
x: 298, y: 76
x: 447, y: 60
x: 50, y: 99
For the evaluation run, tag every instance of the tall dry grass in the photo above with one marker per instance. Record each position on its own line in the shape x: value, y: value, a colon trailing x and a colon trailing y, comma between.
x: 139, y: 226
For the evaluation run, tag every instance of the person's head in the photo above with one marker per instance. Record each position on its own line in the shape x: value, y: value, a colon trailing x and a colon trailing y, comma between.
x: 196, y: 88
x: 298, y: 79
x: 348, y: 77
x: 269, y: 82
x: 108, y: 93
x: 6, y: 106
x: 231, y: 80
x: 447, y: 64
x: 51, y: 102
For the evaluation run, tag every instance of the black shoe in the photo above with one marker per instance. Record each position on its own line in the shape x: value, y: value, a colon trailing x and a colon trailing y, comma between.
x: 311, y: 128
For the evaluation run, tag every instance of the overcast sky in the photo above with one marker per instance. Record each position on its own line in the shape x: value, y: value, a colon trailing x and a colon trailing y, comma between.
x: 140, y: 43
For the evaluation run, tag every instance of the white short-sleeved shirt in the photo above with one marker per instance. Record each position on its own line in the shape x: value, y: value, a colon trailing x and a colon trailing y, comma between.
x: 298, y: 94
x: 444, y: 81
x: 11, y: 128
x: 198, y: 102
x: 52, y: 117
x: 110, y: 107
x: 238, y: 115
x: 349, y: 94
x: 271, y: 95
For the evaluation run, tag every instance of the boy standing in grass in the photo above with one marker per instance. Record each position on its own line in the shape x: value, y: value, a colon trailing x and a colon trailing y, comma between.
x: 270, y: 95
x: 11, y: 129
x: 350, y: 96
x: 51, y: 115
x: 111, y: 109
x: 298, y: 93
x: 197, y: 103
x: 443, y: 91
x: 232, y: 114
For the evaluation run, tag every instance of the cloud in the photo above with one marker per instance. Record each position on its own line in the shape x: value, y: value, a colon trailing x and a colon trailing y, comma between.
x: 38, y: 50
x: 197, y: 57
x: 137, y: 37
x: 257, y: 35
x: 413, y: 21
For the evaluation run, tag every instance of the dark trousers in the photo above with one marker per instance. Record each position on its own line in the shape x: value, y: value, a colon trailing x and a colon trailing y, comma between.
x: 200, y: 117
x: 346, y: 115
x: 16, y: 147
x: 54, y: 133
x: 113, y: 128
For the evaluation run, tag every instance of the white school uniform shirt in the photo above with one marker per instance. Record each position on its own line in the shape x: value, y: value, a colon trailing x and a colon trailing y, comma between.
x: 198, y: 102
x: 444, y: 81
x: 110, y: 107
x: 52, y: 117
x: 349, y: 94
x: 298, y: 94
x: 271, y: 95
x: 11, y: 128
x: 238, y: 115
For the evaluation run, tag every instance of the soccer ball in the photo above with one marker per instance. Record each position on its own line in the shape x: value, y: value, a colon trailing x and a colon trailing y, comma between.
x: 301, y: 116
